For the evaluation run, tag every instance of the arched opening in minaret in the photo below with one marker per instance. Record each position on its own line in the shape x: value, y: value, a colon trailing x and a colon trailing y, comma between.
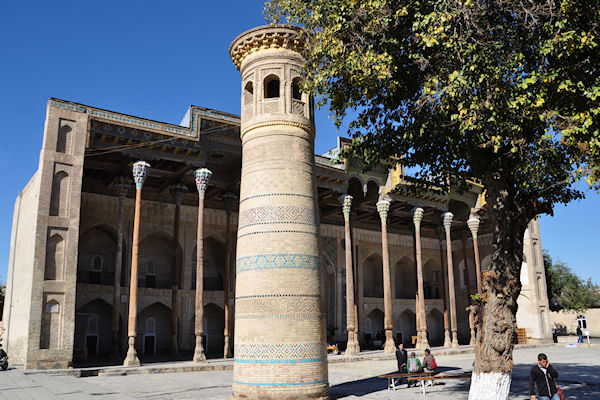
x: 271, y: 87
x: 248, y: 93
x: 296, y: 93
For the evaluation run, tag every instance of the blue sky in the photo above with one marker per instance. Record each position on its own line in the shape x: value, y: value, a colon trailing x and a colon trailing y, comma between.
x: 153, y: 59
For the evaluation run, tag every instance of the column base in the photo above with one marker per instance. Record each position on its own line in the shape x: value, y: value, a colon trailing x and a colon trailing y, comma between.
x: 472, y: 341
x: 226, y: 348
x: 199, y: 351
x: 447, y: 340
x: 423, y: 343
x: 131, y: 360
x: 390, y: 346
x: 454, y: 340
x: 351, y: 345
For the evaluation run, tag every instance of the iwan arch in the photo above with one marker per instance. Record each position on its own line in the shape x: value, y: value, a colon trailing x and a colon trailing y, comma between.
x: 68, y: 295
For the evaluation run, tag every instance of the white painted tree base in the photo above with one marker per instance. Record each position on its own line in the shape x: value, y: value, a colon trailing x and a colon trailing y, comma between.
x: 490, y: 386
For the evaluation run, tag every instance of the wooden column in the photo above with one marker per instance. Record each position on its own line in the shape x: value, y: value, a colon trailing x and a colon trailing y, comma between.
x: 467, y: 278
x: 383, y: 206
x: 178, y: 192
x: 447, y: 219
x: 229, y: 200
x: 202, y: 176
x: 422, y: 342
x: 447, y: 341
x: 122, y: 185
x: 473, y: 224
x: 140, y: 172
x: 352, y: 343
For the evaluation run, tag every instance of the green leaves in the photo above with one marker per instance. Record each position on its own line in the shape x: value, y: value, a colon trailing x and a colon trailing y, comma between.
x: 462, y: 89
x: 566, y: 291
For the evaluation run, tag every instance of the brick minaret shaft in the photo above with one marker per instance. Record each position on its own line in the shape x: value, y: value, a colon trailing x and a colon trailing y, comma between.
x: 280, y: 340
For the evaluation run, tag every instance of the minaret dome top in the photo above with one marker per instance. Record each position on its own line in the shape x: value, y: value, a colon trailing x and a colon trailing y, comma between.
x: 265, y: 37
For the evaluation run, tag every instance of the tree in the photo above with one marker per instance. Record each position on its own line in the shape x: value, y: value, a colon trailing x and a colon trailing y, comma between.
x: 566, y: 291
x: 503, y: 91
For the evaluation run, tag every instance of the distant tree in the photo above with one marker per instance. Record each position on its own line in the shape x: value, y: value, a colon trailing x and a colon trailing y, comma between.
x: 566, y: 291
x: 503, y: 91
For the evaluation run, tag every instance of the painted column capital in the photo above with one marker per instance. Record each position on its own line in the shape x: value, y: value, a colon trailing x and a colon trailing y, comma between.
x: 202, y: 176
x: 122, y: 184
x: 346, y: 201
x: 473, y: 224
x: 229, y: 199
x: 447, y: 220
x: 178, y: 191
x: 417, y: 216
x: 383, y: 206
x: 140, y: 171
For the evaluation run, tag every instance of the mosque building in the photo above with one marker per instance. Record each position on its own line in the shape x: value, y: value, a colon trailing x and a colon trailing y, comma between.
x: 395, y: 266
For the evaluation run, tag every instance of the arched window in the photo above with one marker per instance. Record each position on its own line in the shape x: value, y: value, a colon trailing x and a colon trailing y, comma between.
x: 271, y: 87
x: 296, y: 93
x: 97, y: 263
x: 92, y: 325
x: 248, y: 93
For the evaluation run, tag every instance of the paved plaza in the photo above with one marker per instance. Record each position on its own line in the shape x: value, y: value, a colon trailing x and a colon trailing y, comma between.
x: 579, y: 371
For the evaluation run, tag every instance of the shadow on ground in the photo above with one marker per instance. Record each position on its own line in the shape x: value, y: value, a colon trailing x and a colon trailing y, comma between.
x: 370, y: 385
x: 578, y: 382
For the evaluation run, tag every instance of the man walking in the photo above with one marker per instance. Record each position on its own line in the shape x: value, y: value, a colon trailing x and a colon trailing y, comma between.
x: 543, y: 375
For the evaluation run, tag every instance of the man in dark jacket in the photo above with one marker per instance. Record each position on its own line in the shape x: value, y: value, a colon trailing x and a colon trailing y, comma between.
x: 401, y: 357
x: 543, y: 375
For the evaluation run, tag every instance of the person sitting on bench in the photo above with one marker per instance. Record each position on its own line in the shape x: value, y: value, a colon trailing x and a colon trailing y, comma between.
x: 414, y: 366
x: 429, y: 363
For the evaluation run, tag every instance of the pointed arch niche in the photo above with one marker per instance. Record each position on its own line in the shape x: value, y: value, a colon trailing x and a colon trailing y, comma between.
x: 55, y: 255
x: 59, y: 197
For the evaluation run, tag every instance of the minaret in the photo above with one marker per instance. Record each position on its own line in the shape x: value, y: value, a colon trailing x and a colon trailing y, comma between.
x: 280, y: 340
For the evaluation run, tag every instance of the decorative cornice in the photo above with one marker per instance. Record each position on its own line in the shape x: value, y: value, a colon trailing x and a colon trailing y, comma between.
x: 307, y: 127
x: 265, y: 37
x: 193, y: 131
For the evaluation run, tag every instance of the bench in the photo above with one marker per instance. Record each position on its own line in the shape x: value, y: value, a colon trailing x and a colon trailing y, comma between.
x: 422, y: 379
x: 394, y: 379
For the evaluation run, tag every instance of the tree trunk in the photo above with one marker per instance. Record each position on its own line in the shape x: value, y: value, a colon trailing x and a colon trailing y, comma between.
x: 493, y: 351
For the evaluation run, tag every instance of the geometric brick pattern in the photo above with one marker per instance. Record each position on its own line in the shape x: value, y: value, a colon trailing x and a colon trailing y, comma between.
x: 280, y: 351
x: 278, y: 261
x: 281, y: 306
x: 277, y: 215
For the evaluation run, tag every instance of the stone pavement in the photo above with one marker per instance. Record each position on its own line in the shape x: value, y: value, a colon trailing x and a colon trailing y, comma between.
x: 579, y: 371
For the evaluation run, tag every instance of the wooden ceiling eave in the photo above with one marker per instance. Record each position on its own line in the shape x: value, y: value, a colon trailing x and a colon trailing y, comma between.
x: 152, y: 152
x: 110, y: 130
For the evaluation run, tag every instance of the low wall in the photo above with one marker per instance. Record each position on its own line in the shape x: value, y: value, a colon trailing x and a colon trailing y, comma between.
x: 565, y: 323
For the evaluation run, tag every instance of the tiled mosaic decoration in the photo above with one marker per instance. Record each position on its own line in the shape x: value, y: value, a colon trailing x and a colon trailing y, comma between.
x: 280, y: 351
x: 278, y: 261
